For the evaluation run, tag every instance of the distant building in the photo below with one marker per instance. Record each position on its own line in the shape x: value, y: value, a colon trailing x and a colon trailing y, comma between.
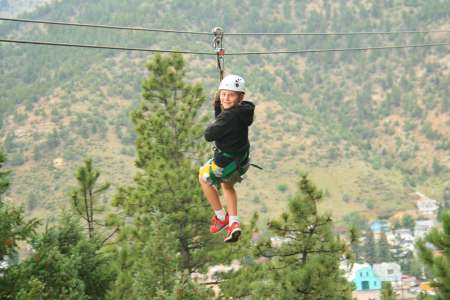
x: 388, y: 272
x: 391, y: 238
x: 404, y: 234
x: 277, y: 241
x: 3, y: 266
x: 59, y: 163
x: 364, y: 278
x: 378, y: 227
x: 427, y: 207
x: 422, y: 227
x: 409, y: 281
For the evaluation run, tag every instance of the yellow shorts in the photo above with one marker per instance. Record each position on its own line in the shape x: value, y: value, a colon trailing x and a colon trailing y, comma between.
x: 213, y: 174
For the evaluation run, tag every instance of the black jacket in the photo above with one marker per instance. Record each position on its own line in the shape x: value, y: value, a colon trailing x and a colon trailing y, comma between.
x: 230, y: 131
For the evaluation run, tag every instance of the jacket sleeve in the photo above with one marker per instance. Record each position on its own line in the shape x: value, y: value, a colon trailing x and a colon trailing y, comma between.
x: 219, y: 128
x: 217, y: 109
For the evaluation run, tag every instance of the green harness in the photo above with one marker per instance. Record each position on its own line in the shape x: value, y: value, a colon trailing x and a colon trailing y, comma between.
x: 228, y: 169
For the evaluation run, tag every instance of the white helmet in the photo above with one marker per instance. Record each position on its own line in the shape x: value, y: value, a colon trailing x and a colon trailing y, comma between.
x: 233, y: 83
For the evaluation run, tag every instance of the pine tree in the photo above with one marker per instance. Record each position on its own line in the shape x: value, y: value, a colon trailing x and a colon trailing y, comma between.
x: 4, y: 180
x: 444, y: 206
x: 408, y: 222
x: 85, y: 196
x: 437, y: 258
x: 13, y: 226
x: 64, y: 265
x: 155, y: 273
x: 304, y: 266
x: 383, y: 253
x: 370, y: 250
x: 387, y: 293
x: 170, y: 147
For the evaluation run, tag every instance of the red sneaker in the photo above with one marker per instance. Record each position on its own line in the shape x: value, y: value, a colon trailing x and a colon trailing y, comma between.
x: 217, y: 225
x: 233, y: 233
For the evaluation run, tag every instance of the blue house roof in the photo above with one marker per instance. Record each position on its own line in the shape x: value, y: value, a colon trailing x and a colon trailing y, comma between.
x: 375, y: 227
x: 379, y: 226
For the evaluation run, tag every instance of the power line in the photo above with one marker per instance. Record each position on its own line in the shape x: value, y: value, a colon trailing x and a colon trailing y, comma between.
x: 335, y: 33
x: 230, y: 33
x: 337, y: 49
x: 104, y: 26
x: 103, y: 47
x: 212, y: 53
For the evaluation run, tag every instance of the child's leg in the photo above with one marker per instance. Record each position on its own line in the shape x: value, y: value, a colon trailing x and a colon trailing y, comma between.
x: 230, y: 196
x: 210, y: 194
x: 234, y: 229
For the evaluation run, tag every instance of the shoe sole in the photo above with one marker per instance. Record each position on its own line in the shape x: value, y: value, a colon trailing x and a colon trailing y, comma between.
x: 234, y: 237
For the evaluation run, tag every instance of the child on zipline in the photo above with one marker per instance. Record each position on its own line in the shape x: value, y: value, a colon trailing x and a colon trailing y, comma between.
x: 231, y: 154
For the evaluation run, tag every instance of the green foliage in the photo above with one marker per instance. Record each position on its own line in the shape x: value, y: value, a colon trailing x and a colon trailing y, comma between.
x: 387, y: 293
x: 383, y: 253
x: 408, y: 222
x: 149, y: 265
x: 4, y: 175
x: 282, y: 188
x: 64, y: 265
x: 85, y: 197
x: 437, y: 257
x: 304, y: 266
x: 169, y: 142
x: 13, y: 226
x: 343, y: 103
x: 370, y: 248
x: 357, y: 220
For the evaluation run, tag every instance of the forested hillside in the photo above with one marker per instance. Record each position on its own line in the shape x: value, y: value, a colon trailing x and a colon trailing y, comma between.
x: 9, y: 8
x: 370, y: 127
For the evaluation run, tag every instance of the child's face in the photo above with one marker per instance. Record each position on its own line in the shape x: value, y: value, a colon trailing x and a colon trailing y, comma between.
x: 229, y: 99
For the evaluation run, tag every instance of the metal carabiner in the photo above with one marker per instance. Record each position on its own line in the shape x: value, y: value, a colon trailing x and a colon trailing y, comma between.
x: 220, y: 51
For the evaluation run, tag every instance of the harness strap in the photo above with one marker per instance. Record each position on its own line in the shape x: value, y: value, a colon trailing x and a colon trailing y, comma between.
x: 256, y: 166
x: 237, y: 159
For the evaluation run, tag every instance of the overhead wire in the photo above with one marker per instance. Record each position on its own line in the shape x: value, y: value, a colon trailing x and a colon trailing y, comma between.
x: 104, y: 47
x: 229, y: 33
x: 334, y: 33
x: 104, y: 26
x: 336, y: 49
x: 213, y: 53
x: 113, y: 47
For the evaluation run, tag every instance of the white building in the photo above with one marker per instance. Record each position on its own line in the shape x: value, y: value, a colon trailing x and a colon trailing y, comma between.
x: 3, y: 266
x: 391, y: 238
x: 278, y: 241
x: 422, y: 227
x: 427, y: 207
x: 404, y: 234
x: 388, y: 272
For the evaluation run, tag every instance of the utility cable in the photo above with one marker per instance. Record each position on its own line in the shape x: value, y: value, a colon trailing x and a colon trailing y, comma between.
x: 230, y: 33
x: 103, y: 47
x: 212, y: 53
x: 335, y: 33
x: 104, y: 26
x: 336, y: 49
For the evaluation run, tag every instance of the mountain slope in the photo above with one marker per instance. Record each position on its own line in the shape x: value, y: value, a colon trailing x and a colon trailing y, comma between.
x: 370, y: 127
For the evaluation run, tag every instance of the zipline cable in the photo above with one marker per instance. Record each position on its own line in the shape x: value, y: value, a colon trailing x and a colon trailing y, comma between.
x: 336, y: 49
x: 104, y: 26
x: 212, y: 53
x: 230, y: 33
x: 103, y: 47
x: 336, y: 33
